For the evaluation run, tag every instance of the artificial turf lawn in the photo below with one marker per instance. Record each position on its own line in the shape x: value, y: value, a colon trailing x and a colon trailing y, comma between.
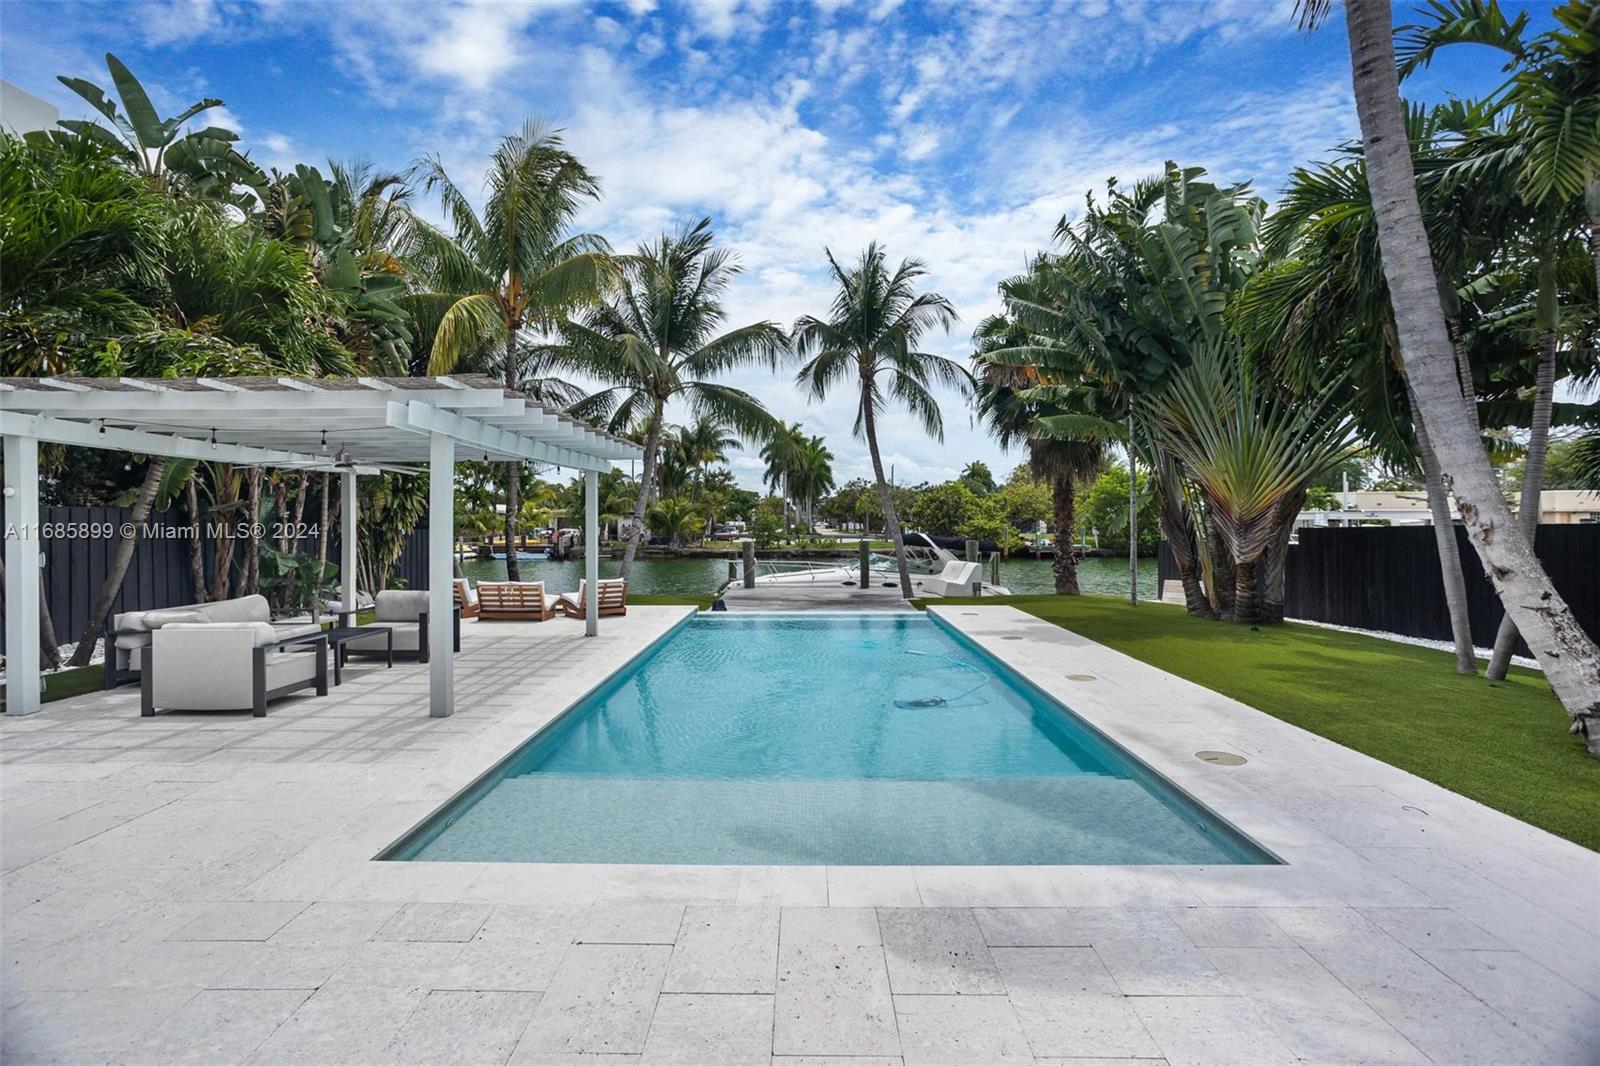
x: 1504, y: 744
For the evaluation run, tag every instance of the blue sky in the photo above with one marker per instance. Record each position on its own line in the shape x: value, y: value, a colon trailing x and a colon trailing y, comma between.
x: 956, y: 133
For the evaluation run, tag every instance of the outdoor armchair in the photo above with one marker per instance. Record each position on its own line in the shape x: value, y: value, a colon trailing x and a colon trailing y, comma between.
x: 225, y: 666
x: 467, y: 599
x: 405, y: 611
x: 611, y: 596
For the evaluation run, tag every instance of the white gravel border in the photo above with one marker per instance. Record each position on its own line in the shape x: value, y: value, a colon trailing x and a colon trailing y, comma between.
x: 1421, y: 642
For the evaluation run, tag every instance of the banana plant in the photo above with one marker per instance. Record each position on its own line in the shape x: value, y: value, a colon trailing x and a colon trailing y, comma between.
x: 156, y: 147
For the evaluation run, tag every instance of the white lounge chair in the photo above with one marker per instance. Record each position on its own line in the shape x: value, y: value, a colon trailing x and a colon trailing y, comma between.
x: 956, y: 579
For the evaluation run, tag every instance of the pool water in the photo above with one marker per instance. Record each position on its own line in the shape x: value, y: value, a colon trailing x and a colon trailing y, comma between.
x: 822, y: 739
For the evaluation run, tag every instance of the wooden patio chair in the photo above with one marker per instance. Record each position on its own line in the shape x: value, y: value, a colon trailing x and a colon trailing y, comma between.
x: 610, y: 596
x: 467, y: 599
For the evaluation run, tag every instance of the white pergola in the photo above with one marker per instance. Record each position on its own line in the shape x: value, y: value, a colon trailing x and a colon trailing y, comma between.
x: 344, y: 426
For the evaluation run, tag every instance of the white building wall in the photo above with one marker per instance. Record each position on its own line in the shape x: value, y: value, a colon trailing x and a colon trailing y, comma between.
x: 22, y: 112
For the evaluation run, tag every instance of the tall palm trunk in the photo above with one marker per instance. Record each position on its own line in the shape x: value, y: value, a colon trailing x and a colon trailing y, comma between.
x: 1064, y: 513
x: 1275, y: 561
x: 1177, y: 528
x: 1532, y: 485
x: 227, y: 500
x: 1444, y: 538
x: 322, y: 538
x: 891, y: 521
x: 49, y: 647
x: 197, y: 550
x: 1247, y: 592
x: 513, y: 470
x: 252, y: 561
x: 1133, y: 521
x: 1570, y: 659
x: 647, y: 481
x: 119, y: 565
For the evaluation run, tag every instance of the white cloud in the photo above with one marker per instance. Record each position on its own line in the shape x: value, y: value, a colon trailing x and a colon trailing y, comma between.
x: 475, y: 44
x: 178, y: 21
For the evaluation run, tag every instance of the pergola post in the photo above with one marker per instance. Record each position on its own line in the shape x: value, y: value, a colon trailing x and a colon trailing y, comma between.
x: 22, y: 574
x: 347, y: 541
x: 441, y: 588
x: 591, y: 552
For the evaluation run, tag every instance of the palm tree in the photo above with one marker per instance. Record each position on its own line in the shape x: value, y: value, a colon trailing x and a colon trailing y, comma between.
x: 1570, y: 659
x: 977, y: 476
x: 515, y: 267
x: 869, y: 341
x: 705, y: 443
x: 811, y: 478
x: 1546, y: 154
x: 782, y: 454
x: 1325, y: 293
x: 656, y: 340
x: 1551, y: 139
x: 1013, y: 419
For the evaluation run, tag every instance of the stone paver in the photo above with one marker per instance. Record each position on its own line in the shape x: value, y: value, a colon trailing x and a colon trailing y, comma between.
x: 600, y: 1001
x: 833, y: 985
x: 956, y: 1030
x: 936, y: 951
x: 1211, y: 1031
x: 1082, y: 1026
x: 710, y: 1030
x: 216, y: 1027
x: 726, y: 949
x: 178, y: 889
x: 465, y: 1028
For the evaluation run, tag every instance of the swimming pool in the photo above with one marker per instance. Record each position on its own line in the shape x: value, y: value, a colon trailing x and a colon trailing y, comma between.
x: 822, y: 739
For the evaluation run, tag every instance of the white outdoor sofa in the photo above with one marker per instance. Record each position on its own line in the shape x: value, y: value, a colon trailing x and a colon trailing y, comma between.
x: 956, y: 579
x: 226, y: 666
x: 129, y: 634
x: 405, y: 611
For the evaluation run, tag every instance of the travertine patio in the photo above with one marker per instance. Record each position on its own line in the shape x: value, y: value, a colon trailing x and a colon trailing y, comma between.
x: 200, y: 889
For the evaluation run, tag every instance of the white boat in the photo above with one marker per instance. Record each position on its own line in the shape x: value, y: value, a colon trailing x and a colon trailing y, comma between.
x: 924, y: 558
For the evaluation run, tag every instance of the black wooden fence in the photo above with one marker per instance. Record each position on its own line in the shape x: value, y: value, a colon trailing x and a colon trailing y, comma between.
x: 75, y: 564
x: 1387, y: 578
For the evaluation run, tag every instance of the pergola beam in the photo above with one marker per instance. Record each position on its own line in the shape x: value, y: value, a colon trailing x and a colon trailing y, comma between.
x: 87, y: 435
x: 480, y: 436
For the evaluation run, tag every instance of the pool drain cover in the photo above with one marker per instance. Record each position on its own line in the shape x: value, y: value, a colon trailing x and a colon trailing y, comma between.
x: 1080, y: 677
x: 1221, y: 758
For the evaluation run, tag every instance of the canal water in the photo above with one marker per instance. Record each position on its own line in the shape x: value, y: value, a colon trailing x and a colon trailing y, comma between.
x: 701, y: 577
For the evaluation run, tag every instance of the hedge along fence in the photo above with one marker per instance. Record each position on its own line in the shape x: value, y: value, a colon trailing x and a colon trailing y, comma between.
x: 77, y: 545
x: 1387, y: 578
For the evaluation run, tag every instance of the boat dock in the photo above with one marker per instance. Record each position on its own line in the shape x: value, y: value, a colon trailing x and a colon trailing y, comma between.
x: 813, y: 597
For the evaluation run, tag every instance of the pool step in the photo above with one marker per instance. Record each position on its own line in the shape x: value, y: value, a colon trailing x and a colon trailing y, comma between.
x: 580, y: 818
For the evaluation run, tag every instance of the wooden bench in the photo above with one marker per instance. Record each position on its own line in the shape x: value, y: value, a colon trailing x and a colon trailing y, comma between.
x: 610, y: 596
x: 513, y: 601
